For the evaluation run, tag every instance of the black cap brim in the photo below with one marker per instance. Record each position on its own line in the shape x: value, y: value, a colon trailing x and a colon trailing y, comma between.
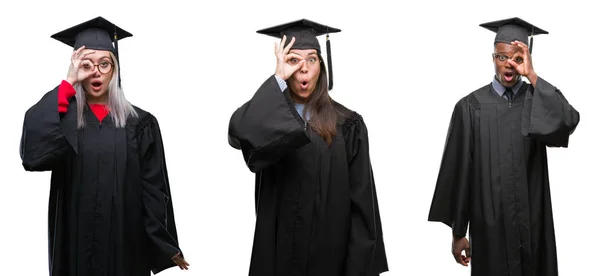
x: 304, y: 31
x: 97, y: 34
x: 511, y: 29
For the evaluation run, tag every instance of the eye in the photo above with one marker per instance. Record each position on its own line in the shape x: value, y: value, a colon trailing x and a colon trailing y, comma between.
x: 312, y: 60
x: 104, y: 64
x: 86, y: 66
x: 503, y: 58
x: 294, y: 60
x: 518, y: 59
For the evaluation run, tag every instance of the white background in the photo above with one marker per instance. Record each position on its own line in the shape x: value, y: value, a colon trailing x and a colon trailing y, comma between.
x: 402, y: 66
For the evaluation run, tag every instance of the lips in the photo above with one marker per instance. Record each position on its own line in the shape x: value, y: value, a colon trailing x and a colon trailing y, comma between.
x: 304, y: 84
x: 96, y: 85
x: 509, y: 76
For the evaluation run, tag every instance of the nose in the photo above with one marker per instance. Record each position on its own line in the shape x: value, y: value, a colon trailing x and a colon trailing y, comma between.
x: 304, y: 68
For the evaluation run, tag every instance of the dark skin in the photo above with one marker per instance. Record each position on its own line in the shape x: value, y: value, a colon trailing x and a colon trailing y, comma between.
x: 518, y: 64
x: 458, y: 246
x: 181, y: 263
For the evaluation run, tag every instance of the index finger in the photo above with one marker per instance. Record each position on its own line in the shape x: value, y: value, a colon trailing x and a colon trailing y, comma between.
x: 86, y: 53
x: 521, y: 45
x: 287, y: 48
x: 76, y: 52
x: 80, y: 49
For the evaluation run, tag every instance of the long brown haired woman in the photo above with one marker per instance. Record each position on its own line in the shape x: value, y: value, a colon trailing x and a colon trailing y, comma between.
x: 316, y: 204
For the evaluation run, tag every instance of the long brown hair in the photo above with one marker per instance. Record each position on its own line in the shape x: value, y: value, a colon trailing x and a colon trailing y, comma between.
x: 323, y: 115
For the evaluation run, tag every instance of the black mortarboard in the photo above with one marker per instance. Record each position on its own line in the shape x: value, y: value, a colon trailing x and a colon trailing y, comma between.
x: 96, y: 34
x: 509, y: 30
x: 305, y: 32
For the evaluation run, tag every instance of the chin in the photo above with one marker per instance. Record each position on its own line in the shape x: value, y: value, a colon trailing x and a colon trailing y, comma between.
x: 302, y: 96
x: 509, y: 84
x: 93, y: 94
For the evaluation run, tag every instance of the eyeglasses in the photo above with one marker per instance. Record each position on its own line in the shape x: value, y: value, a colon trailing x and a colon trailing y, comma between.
x: 311, y: 61
x: 104, y: 67
x: 505, y: 58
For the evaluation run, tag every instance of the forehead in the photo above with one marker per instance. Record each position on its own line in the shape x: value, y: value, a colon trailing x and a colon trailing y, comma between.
x: 502, y: 47
x: 304, y: 51
x: 99, y: 54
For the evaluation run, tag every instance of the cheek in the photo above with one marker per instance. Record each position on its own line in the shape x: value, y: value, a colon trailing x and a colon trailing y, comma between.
x: 106, y: 78
x: 315, y: 75
x: 85, y: 83
x: 498, y: 68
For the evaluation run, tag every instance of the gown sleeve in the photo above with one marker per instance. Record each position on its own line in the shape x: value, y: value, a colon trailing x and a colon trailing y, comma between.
x: 267, y: 127
x: 159, y: 219
x: 450, y: 204
x: 366, y: 249
x: 49, y: 129
x: 548, y: 116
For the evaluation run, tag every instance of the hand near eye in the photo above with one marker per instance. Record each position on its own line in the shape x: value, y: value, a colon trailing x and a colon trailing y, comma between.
x: 285, y: 70
x: 76, y: 72
x: 525, y: 68
x: 180, y: 261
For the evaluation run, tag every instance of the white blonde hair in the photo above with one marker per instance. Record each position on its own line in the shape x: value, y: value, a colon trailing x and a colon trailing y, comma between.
x: 120, y: 108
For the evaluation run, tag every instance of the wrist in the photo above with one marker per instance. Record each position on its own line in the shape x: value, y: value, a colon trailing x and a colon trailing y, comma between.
x: 71, y: 81
x: 280, y: 76
x: 532, y: 77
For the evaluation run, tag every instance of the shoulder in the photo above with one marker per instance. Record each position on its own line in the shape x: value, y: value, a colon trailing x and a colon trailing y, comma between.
x: 142, y: 120
x: 351, y: 122
x: 346, y: 115
x: 470, y: 101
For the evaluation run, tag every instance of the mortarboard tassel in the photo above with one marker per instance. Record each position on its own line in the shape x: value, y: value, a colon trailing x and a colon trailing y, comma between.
x: 116, y: 41
x: 531, y: 41
x: 329, y: 68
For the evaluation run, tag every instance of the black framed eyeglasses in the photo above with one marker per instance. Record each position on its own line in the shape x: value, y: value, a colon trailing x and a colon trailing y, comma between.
x: 505, y: 58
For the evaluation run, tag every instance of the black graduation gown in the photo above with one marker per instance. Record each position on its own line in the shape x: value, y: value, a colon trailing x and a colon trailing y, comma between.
x: 316, y: 206
x: 494, y: 177
x: 110, y: 210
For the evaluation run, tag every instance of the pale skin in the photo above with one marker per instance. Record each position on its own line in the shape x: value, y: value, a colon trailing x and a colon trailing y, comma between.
x: 84, y: 68
x: 300, y: 68
x: 524, y: 67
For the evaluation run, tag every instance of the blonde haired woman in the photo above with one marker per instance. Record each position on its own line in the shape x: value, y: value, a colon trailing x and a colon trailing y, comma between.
x: 110, y: 207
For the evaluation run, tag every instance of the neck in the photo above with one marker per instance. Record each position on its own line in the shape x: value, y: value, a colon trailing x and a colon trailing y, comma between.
x: 297, y: 99
x: 97, y: 100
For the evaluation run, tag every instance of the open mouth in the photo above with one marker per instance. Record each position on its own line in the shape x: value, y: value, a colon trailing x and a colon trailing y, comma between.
x: 509, y: 76
x: 96, y: 85
x: 304, y: 84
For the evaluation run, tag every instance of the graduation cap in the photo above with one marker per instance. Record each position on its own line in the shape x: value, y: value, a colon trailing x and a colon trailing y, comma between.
x: 305, y: 32
x: 509, y: 30
x: 96, y: 34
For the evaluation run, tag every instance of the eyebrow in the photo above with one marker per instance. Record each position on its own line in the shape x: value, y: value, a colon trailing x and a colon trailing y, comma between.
x: 311, y: 53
